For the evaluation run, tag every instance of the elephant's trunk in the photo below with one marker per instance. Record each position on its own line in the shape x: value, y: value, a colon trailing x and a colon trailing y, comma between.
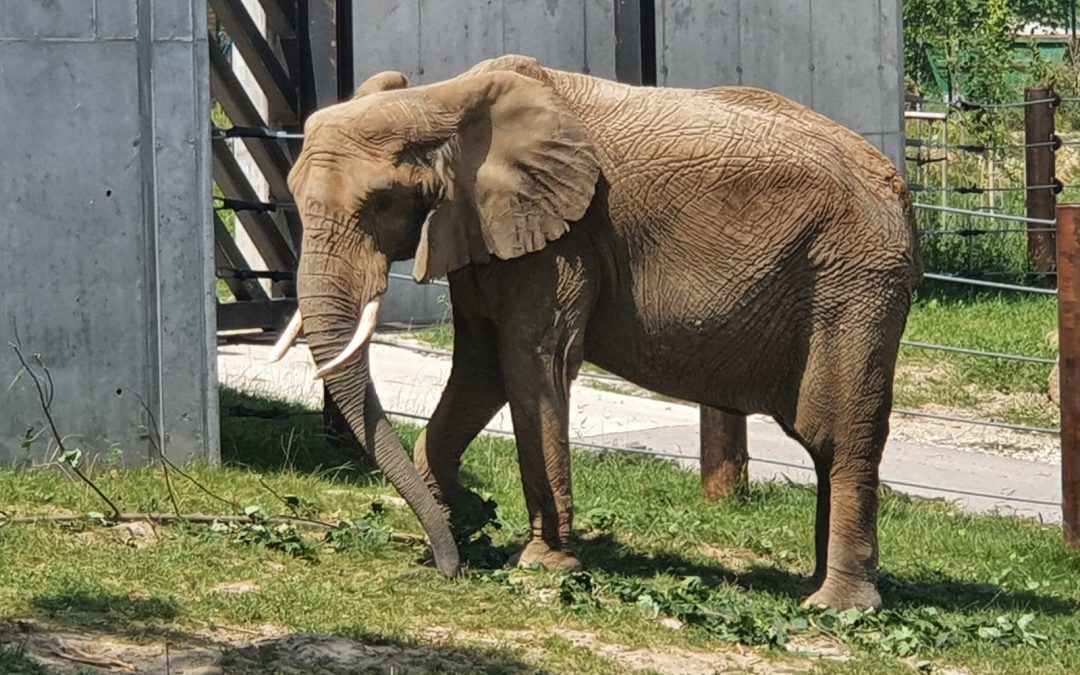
x: 330, y: 305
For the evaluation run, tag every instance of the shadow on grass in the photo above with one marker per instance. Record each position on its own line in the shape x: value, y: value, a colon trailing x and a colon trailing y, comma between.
x: 73, y: 620
x: 934, y: 589
x: 604, y: 552
x: 83, y: 607
x: 898, y: 592
x: 267, y: 435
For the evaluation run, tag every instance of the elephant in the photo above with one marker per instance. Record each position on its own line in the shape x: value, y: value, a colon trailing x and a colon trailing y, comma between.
x: 725, y: 246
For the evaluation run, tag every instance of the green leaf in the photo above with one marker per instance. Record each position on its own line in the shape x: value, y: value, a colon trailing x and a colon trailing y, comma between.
x: 989, y: 633
x: 29, y: 438
x: 72, y: 457
x: 648, y: 606
x: 97, y: 518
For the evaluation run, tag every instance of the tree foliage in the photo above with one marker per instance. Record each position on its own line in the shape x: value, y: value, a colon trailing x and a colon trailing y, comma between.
x: 973, y: 38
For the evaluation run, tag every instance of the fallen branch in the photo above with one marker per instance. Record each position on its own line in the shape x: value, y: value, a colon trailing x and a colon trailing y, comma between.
x: 201, y: 518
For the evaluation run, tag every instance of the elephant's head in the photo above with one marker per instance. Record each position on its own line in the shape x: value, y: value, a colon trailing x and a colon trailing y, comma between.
x: 490, y: 164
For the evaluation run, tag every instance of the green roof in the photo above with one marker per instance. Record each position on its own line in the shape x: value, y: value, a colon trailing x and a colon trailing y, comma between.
x: 1051, y: 48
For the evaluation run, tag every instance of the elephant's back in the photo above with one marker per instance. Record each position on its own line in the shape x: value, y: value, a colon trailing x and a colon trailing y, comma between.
x: 703, y: 173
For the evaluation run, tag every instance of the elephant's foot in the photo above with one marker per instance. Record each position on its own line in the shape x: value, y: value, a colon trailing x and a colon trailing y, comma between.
x: 469, y: 513
x: 845, y: 595
x: 539, y: 552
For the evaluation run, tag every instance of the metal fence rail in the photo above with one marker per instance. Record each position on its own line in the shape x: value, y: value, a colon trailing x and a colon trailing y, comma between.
x: 975, y: 352
x: 989, y: 284
x: 984, y: 214
x: 240, y: 411
x: 607, y: 377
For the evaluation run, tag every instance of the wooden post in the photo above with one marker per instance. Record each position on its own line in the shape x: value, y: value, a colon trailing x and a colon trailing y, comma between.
x: 723, y: 453
x: 1039, y: 165
x: 1068, y: 265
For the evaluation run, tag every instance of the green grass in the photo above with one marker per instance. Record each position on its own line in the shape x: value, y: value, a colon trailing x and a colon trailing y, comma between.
x: 1008, y: 323
x: 998, y: 322
x: 731, y: 571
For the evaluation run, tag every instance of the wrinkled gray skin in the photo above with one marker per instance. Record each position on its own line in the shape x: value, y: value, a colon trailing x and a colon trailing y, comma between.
x: 727, y: 247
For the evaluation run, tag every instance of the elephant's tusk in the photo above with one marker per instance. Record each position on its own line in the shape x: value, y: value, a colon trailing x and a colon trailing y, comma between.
x: 287, y: 339
x: 365, y: 328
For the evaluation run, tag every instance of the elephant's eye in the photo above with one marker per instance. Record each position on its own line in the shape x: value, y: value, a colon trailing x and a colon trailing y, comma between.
x: 382, y: 202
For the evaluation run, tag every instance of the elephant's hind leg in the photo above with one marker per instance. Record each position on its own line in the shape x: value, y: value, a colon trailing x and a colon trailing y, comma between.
x: 473, y: 394
x: 843, y: 420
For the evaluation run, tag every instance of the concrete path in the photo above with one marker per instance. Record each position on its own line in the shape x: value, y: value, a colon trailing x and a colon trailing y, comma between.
x: 410, y: 383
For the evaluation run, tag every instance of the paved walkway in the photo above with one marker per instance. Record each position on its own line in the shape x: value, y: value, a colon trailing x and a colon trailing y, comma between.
x: 409, y: 382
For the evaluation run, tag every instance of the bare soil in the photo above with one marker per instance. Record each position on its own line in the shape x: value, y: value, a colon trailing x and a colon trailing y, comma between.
x: 236, y: 651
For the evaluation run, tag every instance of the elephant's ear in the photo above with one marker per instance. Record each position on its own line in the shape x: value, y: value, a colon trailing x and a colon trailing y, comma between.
x: 384, y: 81
x: 512, y: 173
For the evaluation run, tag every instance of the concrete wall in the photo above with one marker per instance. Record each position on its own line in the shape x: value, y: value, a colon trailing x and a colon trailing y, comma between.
x: 105, y: 240
x: 843, y: 58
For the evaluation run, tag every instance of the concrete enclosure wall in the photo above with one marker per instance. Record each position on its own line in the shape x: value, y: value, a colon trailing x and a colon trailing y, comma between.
x: 843, y: 58
x: 105, y: 240
x: 840, y: 57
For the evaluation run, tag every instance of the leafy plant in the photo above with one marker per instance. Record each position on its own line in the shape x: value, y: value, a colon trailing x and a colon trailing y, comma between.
x: 283, y: 537
x: 358, y: 534
x: 901, y: 633
x: 690, y: 601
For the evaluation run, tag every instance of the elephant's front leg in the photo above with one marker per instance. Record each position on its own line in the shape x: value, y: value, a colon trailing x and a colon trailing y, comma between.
x: 473, y: 394
x: 538, y: 388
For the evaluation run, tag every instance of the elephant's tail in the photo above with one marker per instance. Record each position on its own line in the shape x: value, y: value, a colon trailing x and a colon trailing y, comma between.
x: 914, y: 251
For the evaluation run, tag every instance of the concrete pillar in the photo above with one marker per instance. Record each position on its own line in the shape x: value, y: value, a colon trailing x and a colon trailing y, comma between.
x: 106, y: 241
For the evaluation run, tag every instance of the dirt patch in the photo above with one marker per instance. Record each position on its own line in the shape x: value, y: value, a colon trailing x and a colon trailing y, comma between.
x: 237, y: 651
x: 69, y: 651
x: 671, y: 660
x: 969, y: 437
x: 236, y: 587
x: 980, y: 404
x: 138, y: 534
x: 734, y: 559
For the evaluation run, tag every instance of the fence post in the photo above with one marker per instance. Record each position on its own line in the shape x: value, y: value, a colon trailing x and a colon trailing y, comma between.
x: 1068, y: 265
x: 1039, y: 166
x: 723, y: 453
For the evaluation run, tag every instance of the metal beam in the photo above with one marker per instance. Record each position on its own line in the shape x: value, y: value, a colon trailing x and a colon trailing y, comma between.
x: 265, y: 233
x: 259, y: 58
x: 268, y: 315
x: 628, y: 41
x: 277, y: 19
x: 268, y: 155
x: 227, y: 254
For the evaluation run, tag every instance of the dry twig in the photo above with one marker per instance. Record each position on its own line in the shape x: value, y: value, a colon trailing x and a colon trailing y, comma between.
x: 45, y: 392
x: 167, y: 463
